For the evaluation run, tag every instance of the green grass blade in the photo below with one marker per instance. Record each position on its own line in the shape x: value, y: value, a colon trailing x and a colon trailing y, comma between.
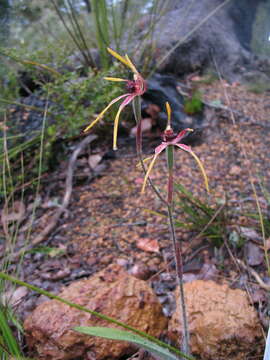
x: 8, y: 338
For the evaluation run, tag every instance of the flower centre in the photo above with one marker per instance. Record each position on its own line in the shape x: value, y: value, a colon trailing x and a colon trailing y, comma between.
x: 131, y: 86
x: 168, y: 135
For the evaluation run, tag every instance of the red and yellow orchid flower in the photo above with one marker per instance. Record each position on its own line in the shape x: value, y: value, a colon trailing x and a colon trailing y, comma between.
x: 135, y: 87
x: 169, y: 139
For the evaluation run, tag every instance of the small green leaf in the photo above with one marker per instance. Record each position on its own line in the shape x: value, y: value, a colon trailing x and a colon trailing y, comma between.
x: 115, y: 334
x: 234, y: 238
x: 216, y: 103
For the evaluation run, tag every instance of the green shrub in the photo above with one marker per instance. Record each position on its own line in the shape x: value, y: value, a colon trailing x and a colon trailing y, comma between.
x: 194, y: 104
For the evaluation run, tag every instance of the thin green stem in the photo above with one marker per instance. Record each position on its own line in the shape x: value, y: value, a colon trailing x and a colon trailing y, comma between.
x: 76, y: 26
x: 177, y: 245
x: 73, y: 36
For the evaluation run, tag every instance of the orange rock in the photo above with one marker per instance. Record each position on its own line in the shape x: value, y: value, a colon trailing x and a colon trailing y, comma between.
x: 112, y: 292
x: 222, y: 323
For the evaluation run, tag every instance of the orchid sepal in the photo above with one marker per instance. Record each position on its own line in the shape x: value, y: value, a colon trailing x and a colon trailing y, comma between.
x: 114, y: 79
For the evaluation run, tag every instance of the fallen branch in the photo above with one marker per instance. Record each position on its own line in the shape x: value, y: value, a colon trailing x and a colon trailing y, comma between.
x: 254, y: 274
x: 71, y: 166
x: 66, y: 198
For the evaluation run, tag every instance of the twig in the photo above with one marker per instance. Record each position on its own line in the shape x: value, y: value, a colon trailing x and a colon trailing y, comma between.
x: 66, y: 198
x: 67, y: 195
x: 186, y: 261
x: 254, y: 274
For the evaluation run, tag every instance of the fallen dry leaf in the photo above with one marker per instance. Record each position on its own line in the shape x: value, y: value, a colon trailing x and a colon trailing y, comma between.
x: 249, y: 233
x: 196, y: 78
x: 15, y: 213
x: 148, y: 245
x: 254, y: 254
x: 267, y: 244
x: 208, y: 271
x: 14, y: 297
x: 94, y: 160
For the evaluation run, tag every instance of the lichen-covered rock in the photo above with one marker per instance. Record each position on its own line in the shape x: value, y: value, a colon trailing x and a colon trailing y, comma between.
x: 224, y: 39
x: 223, y: 325
x: 112, y: 292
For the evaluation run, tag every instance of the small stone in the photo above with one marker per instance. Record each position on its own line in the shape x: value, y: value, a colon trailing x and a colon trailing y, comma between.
x: 140, y: 271
x: 122, y: 262
x: 106, y: 260
x: 235, y: 170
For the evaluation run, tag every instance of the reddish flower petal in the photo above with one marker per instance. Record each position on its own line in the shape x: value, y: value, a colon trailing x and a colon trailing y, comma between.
x: 180, y: 136
x: 161, y: 147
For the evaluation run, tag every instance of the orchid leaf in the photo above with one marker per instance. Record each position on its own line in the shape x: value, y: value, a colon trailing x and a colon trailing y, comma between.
x: 115, y: 334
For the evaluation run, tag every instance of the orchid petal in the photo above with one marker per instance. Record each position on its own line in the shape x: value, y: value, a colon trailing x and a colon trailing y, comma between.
x: 145, y: 160
x: 180, y: 136
x: 118, y: 57
x: 131, y: 65
x: 116, y: 120
x: 160, y: 148
x: 188, y: 149
x: 148, y: 172
x: 113, y: 79
x: 103, y: 112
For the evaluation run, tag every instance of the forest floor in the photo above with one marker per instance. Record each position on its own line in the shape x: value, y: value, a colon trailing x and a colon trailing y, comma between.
x: 109, y: 221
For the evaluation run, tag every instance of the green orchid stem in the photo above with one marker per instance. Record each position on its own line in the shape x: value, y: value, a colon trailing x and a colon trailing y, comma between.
x: 92, y: 312
x: 169, y: 204
x: 177, y: 253
x: 136, y: 103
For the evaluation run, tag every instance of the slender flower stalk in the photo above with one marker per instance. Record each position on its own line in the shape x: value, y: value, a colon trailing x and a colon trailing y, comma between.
x: 138, y: 117
x: 177, y: 245
x: 170, y: 140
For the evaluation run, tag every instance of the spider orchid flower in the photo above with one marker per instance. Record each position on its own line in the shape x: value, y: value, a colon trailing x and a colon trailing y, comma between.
x: 172, y: 139
x: 135, y: 87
